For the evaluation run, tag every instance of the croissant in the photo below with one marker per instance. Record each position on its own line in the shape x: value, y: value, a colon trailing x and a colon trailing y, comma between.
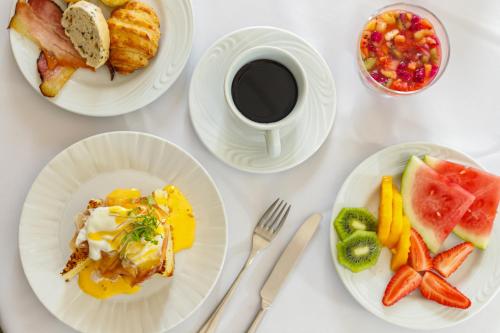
x: 135, y: 34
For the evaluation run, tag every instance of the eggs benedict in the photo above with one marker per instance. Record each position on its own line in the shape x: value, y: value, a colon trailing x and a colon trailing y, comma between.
x: 126, y: 238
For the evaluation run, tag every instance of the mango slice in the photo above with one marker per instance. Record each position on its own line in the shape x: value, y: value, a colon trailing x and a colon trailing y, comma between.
x: 403, y: 249
x: 397, y: 219
x: 385, y: 209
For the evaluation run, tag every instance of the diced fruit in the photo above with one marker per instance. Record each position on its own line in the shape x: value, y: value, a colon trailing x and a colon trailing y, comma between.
x: 400, y: 35
x: 477, y: 223
x: 425, y: 23
x: 399, y: 39
x: 371, y: 25
x: 438, y: 290
x: 448, y: 261
x: 434, y: 56
x: 388, y: 17
x: 359, y: 251
x: 433, y: 204
x: 350, y: 220
x: 400, y: 258
x: 370, y: 63
x: 376, y: 37
x: 420, y: 258
x: 397, y: 219
x: 434, y: 71
x: 427, y: 69
x: 389, y: 74
x: 415, y: 23
x: 423, y: 33
x: 419, y: 75
x: 385, y: 209
x: 391, y: 34
x: 381, y: 26
x: 404, y: 281
x: 378, y: 77
x: 395, y: 52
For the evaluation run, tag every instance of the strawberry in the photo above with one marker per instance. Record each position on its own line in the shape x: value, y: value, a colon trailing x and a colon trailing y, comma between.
x: 436, y: 289
x: 420, y: 258
x: 402, y: 283
x: 448, y: 261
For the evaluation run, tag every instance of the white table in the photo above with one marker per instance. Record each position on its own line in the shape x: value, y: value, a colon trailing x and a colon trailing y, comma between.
x: 462, y: 110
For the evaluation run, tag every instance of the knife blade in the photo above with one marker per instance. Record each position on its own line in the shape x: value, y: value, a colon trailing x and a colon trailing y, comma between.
x: 289, y: 258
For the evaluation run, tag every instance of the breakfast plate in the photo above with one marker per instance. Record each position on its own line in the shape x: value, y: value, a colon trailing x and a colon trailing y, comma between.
x: 243, y: 147
x: 478, y: 278
x: 93, y: 93
x: 89, y: 169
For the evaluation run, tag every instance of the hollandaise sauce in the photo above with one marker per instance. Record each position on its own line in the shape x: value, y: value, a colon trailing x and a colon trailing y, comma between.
x: 91, y: 283
x: 181, y: 218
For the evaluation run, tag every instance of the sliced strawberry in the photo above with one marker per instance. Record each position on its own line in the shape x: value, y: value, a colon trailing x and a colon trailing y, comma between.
x: 402, y: 283
x: 448, y: 261
x: 420, y: 258
x: 436, y: 289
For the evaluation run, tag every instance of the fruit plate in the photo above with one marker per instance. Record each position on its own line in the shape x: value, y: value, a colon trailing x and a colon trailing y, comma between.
x: 92, y: 168
x: 94, y: 94
x: 478, y: 277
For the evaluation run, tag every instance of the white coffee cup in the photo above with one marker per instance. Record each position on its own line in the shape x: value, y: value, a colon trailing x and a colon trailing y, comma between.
x: 271, y: 130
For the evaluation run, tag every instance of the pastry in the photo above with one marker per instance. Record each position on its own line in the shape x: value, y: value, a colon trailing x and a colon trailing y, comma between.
x: 135, y: 34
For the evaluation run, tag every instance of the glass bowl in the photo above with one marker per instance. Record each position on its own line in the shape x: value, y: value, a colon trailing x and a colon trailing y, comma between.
x: 440, y: 32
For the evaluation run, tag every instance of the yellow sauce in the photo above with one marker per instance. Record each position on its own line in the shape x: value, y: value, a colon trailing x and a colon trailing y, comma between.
x: 103, y: 288
x: 181, y: 218
x: 122, y: 196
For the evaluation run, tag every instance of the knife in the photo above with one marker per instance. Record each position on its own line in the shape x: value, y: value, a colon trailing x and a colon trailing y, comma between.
x: 283, y: 267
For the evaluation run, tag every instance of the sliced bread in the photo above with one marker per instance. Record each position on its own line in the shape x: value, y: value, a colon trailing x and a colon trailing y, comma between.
x: 87, y: 29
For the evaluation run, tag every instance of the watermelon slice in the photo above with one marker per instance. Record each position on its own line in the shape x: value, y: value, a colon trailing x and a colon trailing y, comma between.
x: 477, y: 223
x: 433, y: 204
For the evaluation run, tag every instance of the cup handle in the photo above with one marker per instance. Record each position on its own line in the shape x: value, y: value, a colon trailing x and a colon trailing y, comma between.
x: 273, y: 142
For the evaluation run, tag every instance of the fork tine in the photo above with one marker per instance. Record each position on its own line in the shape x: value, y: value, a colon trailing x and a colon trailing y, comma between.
x: 266, y: 213
x: 277, y: 218
x: 278, y: 227
x: 272, y: 218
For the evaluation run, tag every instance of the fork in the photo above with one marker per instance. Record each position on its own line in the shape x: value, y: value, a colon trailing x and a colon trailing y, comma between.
x: 266, y: 229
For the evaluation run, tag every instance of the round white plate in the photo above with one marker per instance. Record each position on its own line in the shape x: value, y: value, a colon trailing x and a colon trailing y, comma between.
x: 92, y: 168
x: 93, y: 93
x: 240, y: 146
x: 478, y: 277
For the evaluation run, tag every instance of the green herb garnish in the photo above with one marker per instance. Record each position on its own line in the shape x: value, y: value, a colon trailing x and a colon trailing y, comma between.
x: 143, y: 228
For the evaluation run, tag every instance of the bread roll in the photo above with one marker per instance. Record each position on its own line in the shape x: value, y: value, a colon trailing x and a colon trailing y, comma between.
x: 87, y: 29
x: 135, y: 34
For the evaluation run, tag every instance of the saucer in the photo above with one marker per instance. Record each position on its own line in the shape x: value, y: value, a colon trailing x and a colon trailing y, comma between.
x: 240, y: 146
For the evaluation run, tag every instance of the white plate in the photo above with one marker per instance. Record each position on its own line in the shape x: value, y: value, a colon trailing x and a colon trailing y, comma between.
x: 92, y: 168
x: 478, y: 278
x: 93, y: 94
x: 243, y: 147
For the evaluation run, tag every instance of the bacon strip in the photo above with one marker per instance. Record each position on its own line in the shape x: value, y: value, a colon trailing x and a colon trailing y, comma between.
x: 53, y: 76
x: 40, y: 21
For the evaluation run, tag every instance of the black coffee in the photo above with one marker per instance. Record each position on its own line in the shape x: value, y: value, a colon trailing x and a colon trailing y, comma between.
x: 264, y: 91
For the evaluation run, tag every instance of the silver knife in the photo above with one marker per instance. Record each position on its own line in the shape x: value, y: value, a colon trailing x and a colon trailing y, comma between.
x: 284, y: 265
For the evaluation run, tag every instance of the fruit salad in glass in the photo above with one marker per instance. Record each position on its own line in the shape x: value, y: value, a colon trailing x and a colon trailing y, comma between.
x: 403, y: 49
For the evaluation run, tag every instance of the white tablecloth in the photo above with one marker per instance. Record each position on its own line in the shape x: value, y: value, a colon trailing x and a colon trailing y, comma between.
x: 462, y: 110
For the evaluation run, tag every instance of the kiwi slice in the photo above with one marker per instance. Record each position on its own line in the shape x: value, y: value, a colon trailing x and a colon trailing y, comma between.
x: 359, y: 251
x: 351, y: 219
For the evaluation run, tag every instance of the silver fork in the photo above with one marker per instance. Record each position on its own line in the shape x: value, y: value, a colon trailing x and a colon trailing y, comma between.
x: 266, y: 229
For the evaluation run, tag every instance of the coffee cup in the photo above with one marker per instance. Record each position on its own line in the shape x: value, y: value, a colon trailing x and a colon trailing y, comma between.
x: 277, y: 56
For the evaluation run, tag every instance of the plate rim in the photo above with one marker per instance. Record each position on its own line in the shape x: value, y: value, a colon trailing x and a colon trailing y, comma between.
x: 117, y: 112
x: 191, y: 101
x: 333, y: 245
x: 210, y: 179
